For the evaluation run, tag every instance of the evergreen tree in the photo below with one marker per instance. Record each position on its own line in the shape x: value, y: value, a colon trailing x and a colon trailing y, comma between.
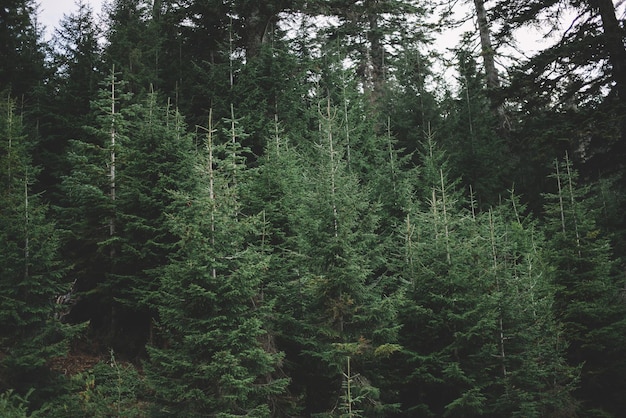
x: 369, y: 30
x: 214, y: 358
x: 117, y: 199
x: 134, y: 42
x: 64, y: 108
x: 588, y: 297
x: 342, y: 315
x: 532, y: 378
x: 21, y: 53
x: 412, y: 107
x: 88, y: 207
x: 276, y: 190
x: 477, y: 317
x: 31, y: 273
x: 581, y: 77
x: 479, y: 154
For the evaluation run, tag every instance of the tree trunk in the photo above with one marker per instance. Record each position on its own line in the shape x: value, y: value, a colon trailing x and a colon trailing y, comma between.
x: 491, y: 72
x: 614, y: 42
x: 373, y: 62
x: 487, y: 52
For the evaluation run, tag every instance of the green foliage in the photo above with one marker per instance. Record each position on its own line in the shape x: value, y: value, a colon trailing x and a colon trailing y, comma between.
x: 213, y: 358
x: 13, y: 405
x: 479, y: 153
x: 135, y: 37
x: 588, y: 289
x: 22, y: 58
x: 477, y: 314
x: 317, y: 255
x: 31, y: 273
x: 117, y: 197
x: 340, y: 301
x: 108, y: 388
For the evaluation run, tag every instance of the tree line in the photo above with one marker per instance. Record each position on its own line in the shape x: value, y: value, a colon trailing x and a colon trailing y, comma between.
x: 233, y: 208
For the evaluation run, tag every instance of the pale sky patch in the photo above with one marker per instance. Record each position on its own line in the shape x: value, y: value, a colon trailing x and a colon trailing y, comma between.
x: 51, y: 12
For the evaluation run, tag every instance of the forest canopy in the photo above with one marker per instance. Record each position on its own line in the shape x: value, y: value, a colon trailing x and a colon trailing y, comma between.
x: 234, y: 208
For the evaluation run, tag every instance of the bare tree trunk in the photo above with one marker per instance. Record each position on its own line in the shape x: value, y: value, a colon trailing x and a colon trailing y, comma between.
x: 489, y: 61
x: 376, y: 53
x: 209, y: 145
x: 614, y: 41
x: 112, y: 156
x: 487, y: 51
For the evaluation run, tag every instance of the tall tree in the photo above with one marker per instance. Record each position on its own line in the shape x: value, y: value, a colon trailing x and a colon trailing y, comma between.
x: 479, y: 154
x: 582, y: 76
x: 589, y: 292
x: 134, y: 42
x: 487, y: 49
x: 31, y: 273
x: 213, y: 358
x: 65, y: 106
x: 21, y: 53
x: 477, y: 313
x: 371, y: 32
x: 116, y: 198
x: 343, y: 318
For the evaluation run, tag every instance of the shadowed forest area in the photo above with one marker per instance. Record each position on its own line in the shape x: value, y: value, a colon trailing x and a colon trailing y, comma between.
x: 237, y: 208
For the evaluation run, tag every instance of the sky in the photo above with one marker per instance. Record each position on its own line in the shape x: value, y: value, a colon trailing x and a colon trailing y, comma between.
x: 52, y: 11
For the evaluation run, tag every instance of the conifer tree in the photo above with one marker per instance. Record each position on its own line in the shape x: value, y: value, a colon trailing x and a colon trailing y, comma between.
x: 213, y: 359
x: 368, y: 30
x: 22, y: 58
x: 31, y: 273
x: 343, y: 316
x: 276, y: 190
x: 117, y: 199
x: 588, y: 292
x: 478, y: 152
x: 134, y: 42
x: 527, y: 333
x: 89, y: 207
x: 478, y: 310
x: 65, y: 102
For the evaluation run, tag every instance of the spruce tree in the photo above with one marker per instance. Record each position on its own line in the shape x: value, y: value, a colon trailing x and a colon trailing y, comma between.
x: 214, y: 357
x: 479, y: 153
x: 89, y: 208
x: 32, y: 275
x: 65, y: 100
x: 134, y: 42
x: 477, y: 316
x: 589, y: 292
x: 117, y: 195
x: 22, y: 57
x: 343, y: 315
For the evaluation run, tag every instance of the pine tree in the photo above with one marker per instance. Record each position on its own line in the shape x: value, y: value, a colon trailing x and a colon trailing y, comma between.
x: 580, y: 77
x: 22, y: 58
x: 479, y: 153
x: 134, y: 43
x: 530, y: 374
x: 367, y: 30
x: 89, y: 206
x: 117, y: 195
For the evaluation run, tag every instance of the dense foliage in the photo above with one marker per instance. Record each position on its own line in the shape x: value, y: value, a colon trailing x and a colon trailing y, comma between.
x: 237, y: 208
